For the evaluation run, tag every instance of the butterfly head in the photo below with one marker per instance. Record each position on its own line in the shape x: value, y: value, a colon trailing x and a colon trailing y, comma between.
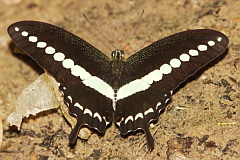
x: 118, y: 54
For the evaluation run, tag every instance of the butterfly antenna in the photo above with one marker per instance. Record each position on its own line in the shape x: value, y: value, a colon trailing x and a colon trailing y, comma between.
x: 133, y: 30
x: 99, y: 31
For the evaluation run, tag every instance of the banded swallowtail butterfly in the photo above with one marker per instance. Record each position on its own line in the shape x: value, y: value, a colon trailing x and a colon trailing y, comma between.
x: 131, y: 92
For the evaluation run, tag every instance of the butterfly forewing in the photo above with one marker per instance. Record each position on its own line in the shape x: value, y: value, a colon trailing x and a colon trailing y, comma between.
x: 58, y: 50
x: 177, y: 57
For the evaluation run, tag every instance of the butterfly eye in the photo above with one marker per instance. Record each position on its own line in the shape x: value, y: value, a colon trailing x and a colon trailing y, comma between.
x: 122, y: 53
x: 113, y: 54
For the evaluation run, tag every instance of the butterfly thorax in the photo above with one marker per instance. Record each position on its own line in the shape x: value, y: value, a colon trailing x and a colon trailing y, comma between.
x: 117, y: 65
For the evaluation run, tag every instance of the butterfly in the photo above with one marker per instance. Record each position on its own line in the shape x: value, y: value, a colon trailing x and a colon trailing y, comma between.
x: 128, y: 92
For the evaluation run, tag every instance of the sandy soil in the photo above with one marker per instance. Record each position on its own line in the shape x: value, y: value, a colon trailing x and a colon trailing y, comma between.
x: 202, y: 120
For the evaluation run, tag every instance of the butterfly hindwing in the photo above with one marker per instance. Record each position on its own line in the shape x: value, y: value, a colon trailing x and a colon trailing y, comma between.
x: 137, y: 111
x: 91, y: 108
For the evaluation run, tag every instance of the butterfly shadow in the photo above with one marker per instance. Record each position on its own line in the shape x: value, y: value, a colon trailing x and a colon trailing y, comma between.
x: 21, y: 55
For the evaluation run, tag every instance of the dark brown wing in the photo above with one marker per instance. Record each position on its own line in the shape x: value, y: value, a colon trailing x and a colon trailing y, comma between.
x: 152, y: 73
x: 76, y: 65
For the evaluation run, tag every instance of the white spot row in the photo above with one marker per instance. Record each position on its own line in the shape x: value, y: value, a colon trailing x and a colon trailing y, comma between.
x: 76, y: 70
x: 87, y: 111
x: 139, y: 115
x: 58, y: 56
x: 157, y: 74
